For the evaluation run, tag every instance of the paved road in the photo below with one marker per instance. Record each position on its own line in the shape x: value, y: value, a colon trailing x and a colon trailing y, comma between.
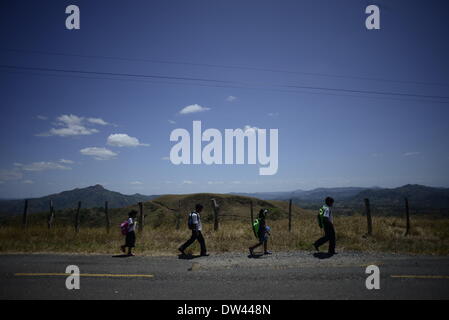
x: 288, y: 275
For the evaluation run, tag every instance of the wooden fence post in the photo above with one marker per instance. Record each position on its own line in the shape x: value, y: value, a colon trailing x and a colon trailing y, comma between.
x: 25, y: 214
x: 252, y: 212
x: 215, y: 207
x: 290, y: 215
x: 368, y: 216
x: 407, y: 216
x: 178, y: 216
x: 108, y: 222
x: 77, y: 218
x: 51, y: 217
x: 141, y: 217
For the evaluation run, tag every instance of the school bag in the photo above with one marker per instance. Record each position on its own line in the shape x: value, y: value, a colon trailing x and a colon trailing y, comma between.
x: 190, y: 223
x: 321, y: 216
x: 256, y: 227
x: 124, y: 227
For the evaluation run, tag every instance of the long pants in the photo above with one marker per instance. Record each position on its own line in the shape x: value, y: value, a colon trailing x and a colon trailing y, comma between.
x: 329, y: 235
x: 196, y: 235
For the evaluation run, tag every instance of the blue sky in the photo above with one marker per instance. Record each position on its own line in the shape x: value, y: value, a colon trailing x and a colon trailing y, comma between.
x: 55, y: 126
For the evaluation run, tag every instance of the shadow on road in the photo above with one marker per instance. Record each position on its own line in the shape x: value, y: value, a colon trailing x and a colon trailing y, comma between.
x: 188, y: 256
x: 122, y: 256
x: 255, y: 255
x: 322, y: 255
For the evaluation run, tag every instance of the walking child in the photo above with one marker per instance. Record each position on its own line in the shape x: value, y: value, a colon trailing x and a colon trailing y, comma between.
x: 325, y: 220
x: 262, y: 233
x: 194, y: 224
x: 129, y: 230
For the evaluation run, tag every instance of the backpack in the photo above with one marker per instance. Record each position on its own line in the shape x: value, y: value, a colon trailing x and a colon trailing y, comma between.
x: 256, y: 227
x: 320, y: 217
x: 190, y: 223
x: 124, y: 227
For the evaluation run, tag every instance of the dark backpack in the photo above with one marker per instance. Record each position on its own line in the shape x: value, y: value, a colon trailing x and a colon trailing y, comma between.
x: 190, y: 223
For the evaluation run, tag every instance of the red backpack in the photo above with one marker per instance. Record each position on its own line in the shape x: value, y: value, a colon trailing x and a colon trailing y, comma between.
x: 124, y: 227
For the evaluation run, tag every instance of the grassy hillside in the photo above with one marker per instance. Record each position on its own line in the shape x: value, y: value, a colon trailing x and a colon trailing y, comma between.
x: 166, y: 210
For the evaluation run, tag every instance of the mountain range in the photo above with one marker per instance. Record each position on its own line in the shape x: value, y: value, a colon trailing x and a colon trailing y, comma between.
x: 421, y: 198
x: 90, y: 197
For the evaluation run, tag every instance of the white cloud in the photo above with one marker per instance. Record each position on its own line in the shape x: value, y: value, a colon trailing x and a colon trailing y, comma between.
x: 172, y: 122
x: 66, y: 161
x: 10, y: 175
x: 215, y: 182
x: 72, y: 125
x: 165, y: 158
x: 42, y: 166
x: 273, y: 114
x: 99, y: 153
x: 187, y: 182
x: 123, y: 140
x: 19, y: 170
x: 98, y: 121
x: 231, y: 99
x: 413, y: 153
x: 72, y: 131
x: 136, y: 183
x: 193, y: 109
x: 41, y: 117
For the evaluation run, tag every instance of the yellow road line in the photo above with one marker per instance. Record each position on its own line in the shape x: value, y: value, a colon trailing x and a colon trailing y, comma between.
x: 85, y: 275
x: 419, y: 277
x: 370, y: 264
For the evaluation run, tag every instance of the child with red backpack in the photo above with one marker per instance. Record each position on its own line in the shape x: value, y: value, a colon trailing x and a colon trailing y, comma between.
x: 128, y: 229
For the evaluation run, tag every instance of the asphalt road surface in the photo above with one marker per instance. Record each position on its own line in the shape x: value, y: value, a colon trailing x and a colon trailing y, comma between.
x: 286, y: 275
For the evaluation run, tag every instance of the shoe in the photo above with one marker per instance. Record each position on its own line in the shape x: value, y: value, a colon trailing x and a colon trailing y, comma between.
x: 204, y: 255
x: 251, y: 252
x: 182, y: 251
x: 316, y: 247
x: 267, y: 252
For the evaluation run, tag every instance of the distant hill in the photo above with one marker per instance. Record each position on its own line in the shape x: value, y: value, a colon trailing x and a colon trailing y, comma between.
x: 419, y: 196
x: 309, y: 196
x: 167, y: 209
x: 231, y: 205
x: 422, y: 199
x: 90, y: 197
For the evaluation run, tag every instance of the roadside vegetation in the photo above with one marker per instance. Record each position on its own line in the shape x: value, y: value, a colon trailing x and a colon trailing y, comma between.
x: 428, y: 236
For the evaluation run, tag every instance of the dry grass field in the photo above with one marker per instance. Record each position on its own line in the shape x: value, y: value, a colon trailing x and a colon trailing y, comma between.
x: 428, y: 236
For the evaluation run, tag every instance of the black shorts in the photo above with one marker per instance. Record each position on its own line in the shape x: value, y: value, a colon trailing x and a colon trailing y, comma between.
x: 130, y: 241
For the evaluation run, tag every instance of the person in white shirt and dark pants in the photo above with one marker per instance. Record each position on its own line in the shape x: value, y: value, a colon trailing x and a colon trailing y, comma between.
x: 196, y: 227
